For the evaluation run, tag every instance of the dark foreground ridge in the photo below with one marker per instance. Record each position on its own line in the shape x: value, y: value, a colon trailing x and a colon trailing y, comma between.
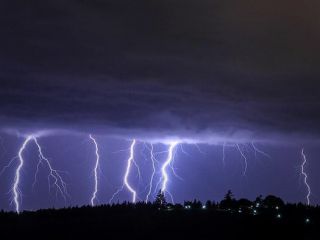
x: 267, y: 218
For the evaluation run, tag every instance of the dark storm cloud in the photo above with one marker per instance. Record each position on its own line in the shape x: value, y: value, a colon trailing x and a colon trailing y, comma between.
x: 233, y: 68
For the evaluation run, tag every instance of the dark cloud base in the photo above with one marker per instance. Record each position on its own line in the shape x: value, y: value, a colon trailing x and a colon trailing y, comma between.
x: 196, y: 69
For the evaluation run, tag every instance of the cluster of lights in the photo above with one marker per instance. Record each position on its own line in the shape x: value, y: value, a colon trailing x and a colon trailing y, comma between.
x: 187, y: 207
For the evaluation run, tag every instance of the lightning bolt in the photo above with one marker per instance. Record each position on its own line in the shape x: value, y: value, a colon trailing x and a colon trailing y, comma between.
x: 138, y: 169
x: 126, y: 175
x: 53, y: 174
x: 257, y: 150
x: 244, y: 158
x: 8, y: 165
x: 95, y: 170
x: 199, y: 149
x: 183, y: 151
x: 173, y: 169
x: 305, y: 176
x: 16, y: 183
x: 167, y: 163
x: 153, y: 160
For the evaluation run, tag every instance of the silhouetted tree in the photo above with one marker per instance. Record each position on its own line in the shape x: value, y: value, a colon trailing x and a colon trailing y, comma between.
x: 228, y: 201
x: 229, y: 196
x: 160, y: 200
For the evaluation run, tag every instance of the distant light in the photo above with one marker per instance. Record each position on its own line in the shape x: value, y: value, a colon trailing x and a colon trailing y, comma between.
x: 187, y: 207
x: 307, y: 220
x: 279, y: 216
x: 240, y: 211
x: 255, y: 211
x: 204, y: 206
x: 277, y: 207
x: 258, y: 205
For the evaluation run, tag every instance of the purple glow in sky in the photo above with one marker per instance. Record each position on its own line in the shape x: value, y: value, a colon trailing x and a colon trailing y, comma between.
x: 204, y: 174
x: 235, y: 84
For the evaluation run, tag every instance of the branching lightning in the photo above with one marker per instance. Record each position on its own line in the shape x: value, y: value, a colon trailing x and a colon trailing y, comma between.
x: 257, y: 150
x: 164, y: 173
x: 183, y: 151
x: 171, y: 165
x: 95, y: 170
x: 53, y: 174
x: 305, y: 176
x: 8, y: 165
x: 16, y: 183
x: 199, y: 149
x: 244, y: 158
x: 138, y: 169
x: 56, y: 181
x: 126, y: 176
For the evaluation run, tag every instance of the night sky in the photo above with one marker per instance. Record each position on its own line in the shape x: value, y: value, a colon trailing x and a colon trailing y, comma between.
x: 203, y: 72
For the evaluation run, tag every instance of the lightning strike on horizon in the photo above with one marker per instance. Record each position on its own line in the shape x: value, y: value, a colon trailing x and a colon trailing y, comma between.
x: 305, y: 176
x: 95, y: 170
x: 58, y: 181
x: 153, y: 160
x: 245, y: 159
x: 126, y: 176
x: 164, y: 173
x: 15, y: 188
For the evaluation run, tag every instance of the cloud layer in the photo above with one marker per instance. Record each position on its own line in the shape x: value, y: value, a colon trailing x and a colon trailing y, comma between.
x: 203, y: 69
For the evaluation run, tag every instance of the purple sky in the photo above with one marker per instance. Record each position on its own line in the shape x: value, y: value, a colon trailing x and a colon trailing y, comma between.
x: 204, y: 176
x: 205, y: 72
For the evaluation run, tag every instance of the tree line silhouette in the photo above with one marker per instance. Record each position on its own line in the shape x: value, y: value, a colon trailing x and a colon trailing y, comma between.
x: 228, y: 219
